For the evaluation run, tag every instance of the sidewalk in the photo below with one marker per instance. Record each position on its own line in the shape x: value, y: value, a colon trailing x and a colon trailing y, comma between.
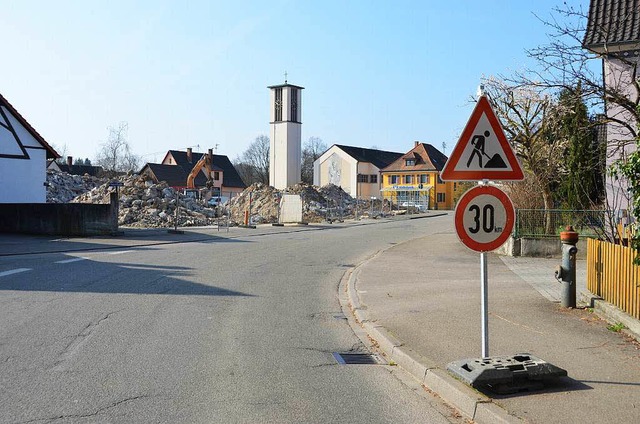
x: 421, y: 302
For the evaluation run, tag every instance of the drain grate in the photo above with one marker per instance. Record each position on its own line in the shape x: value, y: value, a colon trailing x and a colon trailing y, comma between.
x: 357, y: 359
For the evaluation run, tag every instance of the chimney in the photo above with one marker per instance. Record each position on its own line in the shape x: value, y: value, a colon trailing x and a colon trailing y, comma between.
x: 69, y: 161
x: 189, y: 154
x: 210, y: 153
x: 416, y: 143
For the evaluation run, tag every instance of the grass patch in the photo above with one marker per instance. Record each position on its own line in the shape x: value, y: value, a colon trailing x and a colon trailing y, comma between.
x: 616, y: 328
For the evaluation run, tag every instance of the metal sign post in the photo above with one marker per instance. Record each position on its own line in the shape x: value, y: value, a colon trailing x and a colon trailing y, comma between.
x: 484, y: 307
x: 484, y: 219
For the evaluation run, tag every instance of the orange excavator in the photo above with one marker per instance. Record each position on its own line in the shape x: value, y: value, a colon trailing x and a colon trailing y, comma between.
x: 206, y: 162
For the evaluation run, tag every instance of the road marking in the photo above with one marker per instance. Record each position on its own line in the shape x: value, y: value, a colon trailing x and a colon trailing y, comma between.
x: 14, y: 271
x: 68, y: 261
x: 120, y: 253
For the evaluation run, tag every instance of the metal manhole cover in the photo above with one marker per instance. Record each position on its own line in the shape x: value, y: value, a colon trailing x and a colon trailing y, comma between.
x: 357, y: 359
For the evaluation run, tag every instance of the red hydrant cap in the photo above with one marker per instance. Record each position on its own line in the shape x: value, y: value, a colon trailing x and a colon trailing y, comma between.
x: 569, y: 235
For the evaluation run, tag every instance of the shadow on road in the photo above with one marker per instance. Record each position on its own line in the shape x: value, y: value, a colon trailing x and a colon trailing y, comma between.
x: 21, y: 244
x: 93, y: 276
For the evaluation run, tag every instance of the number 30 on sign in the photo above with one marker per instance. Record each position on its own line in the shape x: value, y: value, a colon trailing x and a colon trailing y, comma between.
x: 484, y: 218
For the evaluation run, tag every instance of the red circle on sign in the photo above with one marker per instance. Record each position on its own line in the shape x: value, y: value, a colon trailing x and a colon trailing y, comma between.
x: 473, y: 203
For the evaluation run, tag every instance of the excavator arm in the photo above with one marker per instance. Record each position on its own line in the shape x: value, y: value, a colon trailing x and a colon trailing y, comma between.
x: 204, y: 162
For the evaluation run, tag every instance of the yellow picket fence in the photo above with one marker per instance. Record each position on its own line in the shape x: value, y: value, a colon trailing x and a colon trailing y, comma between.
x: 612, y: 275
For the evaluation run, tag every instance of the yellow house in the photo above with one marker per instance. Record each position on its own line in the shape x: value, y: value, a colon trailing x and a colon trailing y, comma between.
x: 414, y: 180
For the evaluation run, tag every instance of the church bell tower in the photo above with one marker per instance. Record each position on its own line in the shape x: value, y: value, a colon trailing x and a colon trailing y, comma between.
x: 285, y: 151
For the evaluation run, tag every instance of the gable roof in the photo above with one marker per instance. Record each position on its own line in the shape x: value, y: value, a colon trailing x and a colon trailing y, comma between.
x: 613, y: 23
x: 379, y: 158
x: 173, y: 175
x: 80, y: 169
x: 427, y: 158
x: 230, y: 177
x: 51, y: 153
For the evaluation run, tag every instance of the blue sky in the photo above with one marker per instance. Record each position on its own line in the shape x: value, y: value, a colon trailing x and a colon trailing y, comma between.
x: 376, y: 73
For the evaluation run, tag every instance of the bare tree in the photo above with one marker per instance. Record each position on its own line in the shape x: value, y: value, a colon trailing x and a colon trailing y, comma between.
x: 115, y: 154
x: 571, y: 58
x: 565, y: 63
x: 530, y: 119
x: 253, y: 164
x: 313, y: 148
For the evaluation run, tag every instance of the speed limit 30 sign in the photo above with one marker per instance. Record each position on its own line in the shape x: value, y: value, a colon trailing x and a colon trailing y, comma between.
x: 484, y: 218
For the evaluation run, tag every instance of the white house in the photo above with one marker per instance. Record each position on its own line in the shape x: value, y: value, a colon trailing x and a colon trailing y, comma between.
x: 23, y: 158
x: 355, y: 169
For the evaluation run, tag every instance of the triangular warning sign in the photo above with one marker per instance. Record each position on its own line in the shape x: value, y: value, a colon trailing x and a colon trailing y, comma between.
x: 482, y: 152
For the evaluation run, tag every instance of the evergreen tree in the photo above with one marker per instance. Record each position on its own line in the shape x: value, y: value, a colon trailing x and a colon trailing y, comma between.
x: 582, y: 185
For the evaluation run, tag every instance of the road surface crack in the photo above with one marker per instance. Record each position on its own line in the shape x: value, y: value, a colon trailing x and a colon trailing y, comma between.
x: 89, y: 414
x: 78, y: 340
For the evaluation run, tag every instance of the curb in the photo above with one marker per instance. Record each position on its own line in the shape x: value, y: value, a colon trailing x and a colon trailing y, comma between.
x: 469, y: 402
x: 612, y: 314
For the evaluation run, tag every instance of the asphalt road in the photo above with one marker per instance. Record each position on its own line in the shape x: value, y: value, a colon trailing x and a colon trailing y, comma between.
x: 217, y: 331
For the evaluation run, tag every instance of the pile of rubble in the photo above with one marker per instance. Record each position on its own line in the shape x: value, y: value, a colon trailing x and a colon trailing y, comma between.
x: 145, y: 204
x: 317, y: 203
x: 63, y: 187
x: 148, y: 205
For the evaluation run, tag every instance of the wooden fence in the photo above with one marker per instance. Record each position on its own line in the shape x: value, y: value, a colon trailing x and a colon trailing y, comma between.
x: 612, y: 275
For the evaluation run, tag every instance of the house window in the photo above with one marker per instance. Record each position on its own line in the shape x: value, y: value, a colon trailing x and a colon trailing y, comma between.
x: 408, y: 179
x: 455, y: 186
x: 373, y: 178
x: 216, y: 175
x: 362, y: 178
x: 440, y: 197
x: 278, y: 105
x: 424, y: 179
x: 409, y: 162
x: 393, y: 179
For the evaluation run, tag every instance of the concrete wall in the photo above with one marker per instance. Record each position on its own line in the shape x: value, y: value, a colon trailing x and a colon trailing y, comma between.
x: 66, y: 219
x: 538, y: 248
x: 291, y: 208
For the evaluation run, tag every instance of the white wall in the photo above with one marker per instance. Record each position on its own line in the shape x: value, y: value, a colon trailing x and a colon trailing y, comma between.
x: 619, y: 139
x: 285, y: 154
x: 22, y: 180
x: 342, y: 163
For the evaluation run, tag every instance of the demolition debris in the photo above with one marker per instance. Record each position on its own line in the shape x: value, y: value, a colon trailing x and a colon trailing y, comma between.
x: 144, y: 204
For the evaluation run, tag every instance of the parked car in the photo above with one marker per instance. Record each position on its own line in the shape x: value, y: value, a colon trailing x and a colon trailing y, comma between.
x: 217, y: 200
x: 419, y: 206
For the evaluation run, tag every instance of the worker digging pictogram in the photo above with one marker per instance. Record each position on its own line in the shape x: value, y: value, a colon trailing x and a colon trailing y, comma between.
x: 494, y: 161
